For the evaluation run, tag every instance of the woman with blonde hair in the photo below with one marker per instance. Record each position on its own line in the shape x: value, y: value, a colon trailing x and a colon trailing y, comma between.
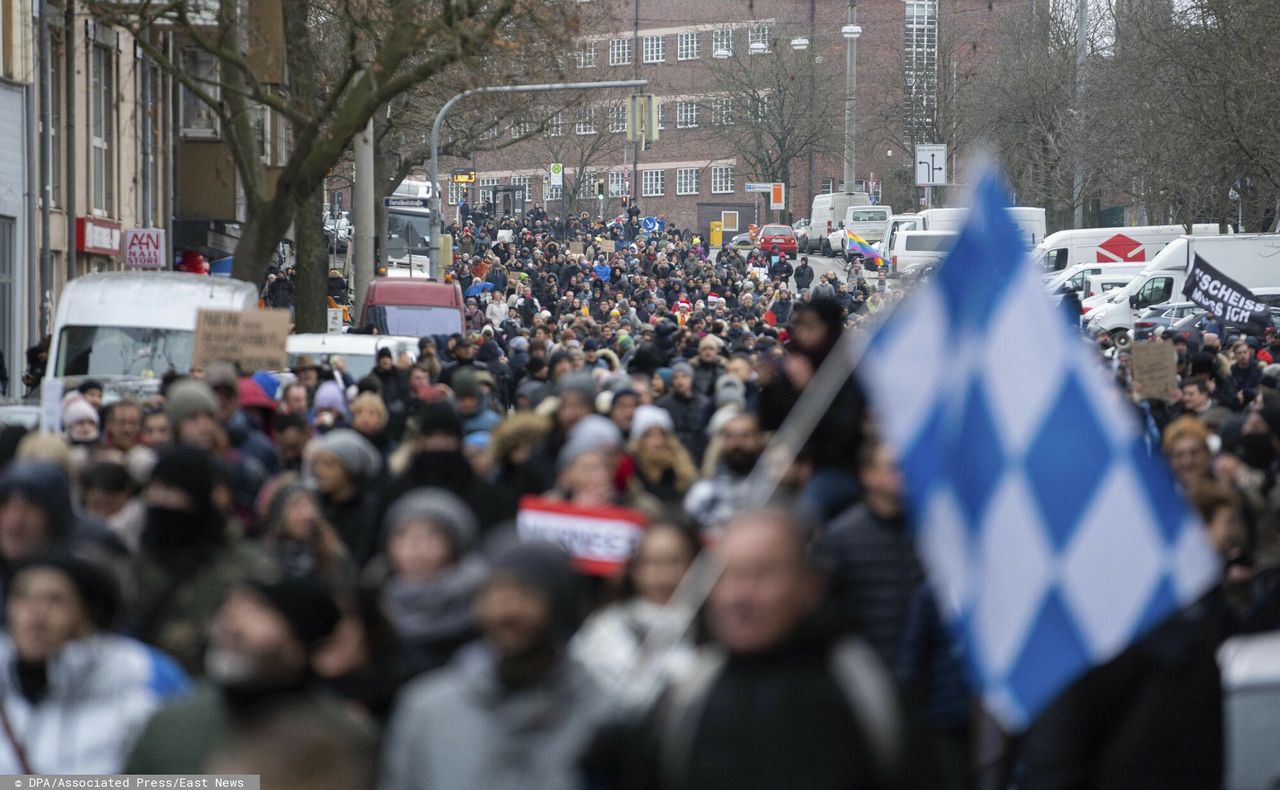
x: 665, y: 467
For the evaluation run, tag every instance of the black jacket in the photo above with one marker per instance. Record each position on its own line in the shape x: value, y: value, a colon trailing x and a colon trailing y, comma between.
x: 689, y: 416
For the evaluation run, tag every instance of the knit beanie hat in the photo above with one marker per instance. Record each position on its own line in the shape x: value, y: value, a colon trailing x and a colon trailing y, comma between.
x: 438, y: 506
x: 356, y: 454
x: 189, y: 398
x: 77, y: 409
x: 304, y: 603
x: 647, y: 417
x: 98, y: 592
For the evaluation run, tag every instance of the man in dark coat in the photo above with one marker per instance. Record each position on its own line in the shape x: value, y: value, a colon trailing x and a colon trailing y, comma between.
x: 803, y: 274
x: 690, y: 410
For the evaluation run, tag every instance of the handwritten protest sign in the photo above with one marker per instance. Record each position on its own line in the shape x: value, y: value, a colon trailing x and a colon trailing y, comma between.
x: 252, y: 339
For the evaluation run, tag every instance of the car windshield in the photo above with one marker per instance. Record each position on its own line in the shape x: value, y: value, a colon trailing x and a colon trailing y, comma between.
x: 358, y: 365
x: 930, y: 243
x: 416, y: 320
x: 123, y: 351
x: 413, y: 228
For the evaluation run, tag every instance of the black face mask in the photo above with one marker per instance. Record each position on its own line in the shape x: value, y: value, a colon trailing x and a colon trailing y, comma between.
x: 172, y: 532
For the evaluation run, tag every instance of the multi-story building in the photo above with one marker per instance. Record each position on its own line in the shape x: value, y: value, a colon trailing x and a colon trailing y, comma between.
x: 18, y: 173
x: 693, y: 173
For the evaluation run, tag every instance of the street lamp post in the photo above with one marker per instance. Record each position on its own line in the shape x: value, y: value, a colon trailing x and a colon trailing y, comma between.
x: 433, y: 245
x: 850, y: 31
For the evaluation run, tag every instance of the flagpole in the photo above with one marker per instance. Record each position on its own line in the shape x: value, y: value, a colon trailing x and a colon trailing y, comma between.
x: 778, y: 456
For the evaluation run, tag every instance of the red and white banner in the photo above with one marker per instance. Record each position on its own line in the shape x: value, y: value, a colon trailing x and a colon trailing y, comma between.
x: 601, y: 539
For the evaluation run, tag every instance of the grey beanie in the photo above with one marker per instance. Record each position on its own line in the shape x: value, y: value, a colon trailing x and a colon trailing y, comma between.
x: 592, y: 432
x: 730, y: 389
x: 441, y: 508
x: 682, y: 367
x: 188, y: 398
x: 356, y: 454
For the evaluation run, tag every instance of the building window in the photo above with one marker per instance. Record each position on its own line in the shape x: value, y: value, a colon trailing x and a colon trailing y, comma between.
x: 617, y: 183
x: 655, y: 49
x: 722, y: 111
x: 555, y: 126
x: 549, y: 192
x: 687, y: 181
x: 617, y: 118
x: 102, y: 98
x: 486, y: 189
x: 456, y: 192
x: 828, y: 185
x: 198, y: 119
x: 260, y: 122
x: 620, y: 52
x: 586, y: 121
x: 686, y: 114
x: 722, y: 41
x: 761, y: 109
x: 760, y: 34
x: 661, y: 123
x: 525, y: 183
x: 520, y: 129
x: 687, y: 46
x: 721, y: 179
x: 654, y: 182
x: 587, y: 56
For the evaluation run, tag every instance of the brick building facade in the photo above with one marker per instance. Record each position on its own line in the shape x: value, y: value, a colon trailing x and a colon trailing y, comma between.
x: 692, y: 173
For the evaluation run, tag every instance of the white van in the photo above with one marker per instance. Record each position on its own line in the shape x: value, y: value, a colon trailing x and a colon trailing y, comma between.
x: 828, y: 211
x: 1073, y: 279
x: 1253, y: 261
x: 898, y: 222
x: 915, y: 248
x: 1029, y: 221
x: 359, y: 352
x: 869, y: 222
x: 127, y: 329
x: 1067, y: 248
x: 1098, y: 284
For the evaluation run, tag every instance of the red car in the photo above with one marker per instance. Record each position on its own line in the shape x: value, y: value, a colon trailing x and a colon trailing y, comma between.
x: 779, y: 239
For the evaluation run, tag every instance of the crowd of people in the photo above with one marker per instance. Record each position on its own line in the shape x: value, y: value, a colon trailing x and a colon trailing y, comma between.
x: 321, y: 580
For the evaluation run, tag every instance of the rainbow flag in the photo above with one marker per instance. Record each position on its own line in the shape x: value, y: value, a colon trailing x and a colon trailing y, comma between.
x: 856, y: 244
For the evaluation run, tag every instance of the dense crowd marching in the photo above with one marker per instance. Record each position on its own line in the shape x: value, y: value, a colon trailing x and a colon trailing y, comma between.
x: 317, y: 579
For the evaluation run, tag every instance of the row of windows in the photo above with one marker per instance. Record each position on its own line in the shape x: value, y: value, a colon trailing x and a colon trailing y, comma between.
x: 653, y: 49
x: 653, y: 183
x: 719, y: 110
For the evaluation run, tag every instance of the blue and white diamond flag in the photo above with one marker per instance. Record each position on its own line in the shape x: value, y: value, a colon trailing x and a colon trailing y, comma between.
x: 1051, y: 538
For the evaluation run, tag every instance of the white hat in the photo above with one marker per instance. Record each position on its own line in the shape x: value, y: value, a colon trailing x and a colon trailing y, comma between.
x: 647, y: 417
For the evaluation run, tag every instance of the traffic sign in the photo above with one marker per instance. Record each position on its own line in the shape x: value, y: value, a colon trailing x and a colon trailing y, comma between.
x: 931, y: 165
x: 777, y: 197
x: 759, y: 187
x: 462, y: 175
x: 557, y: 174
x: 406, y: 202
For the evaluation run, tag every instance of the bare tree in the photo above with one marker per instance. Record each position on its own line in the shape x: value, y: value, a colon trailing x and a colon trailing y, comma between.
x: 770, y: 109
x: 384, y: 47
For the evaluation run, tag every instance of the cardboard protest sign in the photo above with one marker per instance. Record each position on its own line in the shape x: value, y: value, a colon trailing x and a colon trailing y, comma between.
x: 1155, y: 369
x: 252, y: 339
x: 601, y: 540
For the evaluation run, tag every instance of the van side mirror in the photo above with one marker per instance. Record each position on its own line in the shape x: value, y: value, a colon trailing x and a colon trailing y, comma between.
x: 1133, y: 301
x: 841, y: 225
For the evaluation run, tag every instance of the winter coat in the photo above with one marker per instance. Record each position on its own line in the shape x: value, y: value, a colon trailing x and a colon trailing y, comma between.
x: 101, y: 691
x: 705, y: 376
x: 810, y: 713
x: 433, y: 617
x: 608, y: 642
x: 803, y: 275
x: 459, y: 729
x: 689, y: 416
x: 874, y: 574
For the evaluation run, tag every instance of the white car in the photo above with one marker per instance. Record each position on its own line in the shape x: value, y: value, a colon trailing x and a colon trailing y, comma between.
x: 915, y: 248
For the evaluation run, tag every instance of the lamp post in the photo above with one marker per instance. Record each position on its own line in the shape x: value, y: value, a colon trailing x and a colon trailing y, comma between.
x: 850, y: 31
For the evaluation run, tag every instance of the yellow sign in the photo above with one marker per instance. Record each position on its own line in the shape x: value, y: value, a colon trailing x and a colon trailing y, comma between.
x: 463, y: 176
x: 717, y: 234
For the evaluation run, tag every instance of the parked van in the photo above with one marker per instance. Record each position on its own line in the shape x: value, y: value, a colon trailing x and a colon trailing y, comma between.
x: 413, y: 307
x: 1253, y: 261
x: 915, y: 248
x: 1067, y: 248
x: 869, y: 222
x: 359, y: 352
x: 828, y: 211
x: 127, y: 329
x: 1073, y: 279
x: 1029, y: 221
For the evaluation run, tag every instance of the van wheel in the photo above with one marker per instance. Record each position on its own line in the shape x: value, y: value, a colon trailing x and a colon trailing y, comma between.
x: 826, y: 248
